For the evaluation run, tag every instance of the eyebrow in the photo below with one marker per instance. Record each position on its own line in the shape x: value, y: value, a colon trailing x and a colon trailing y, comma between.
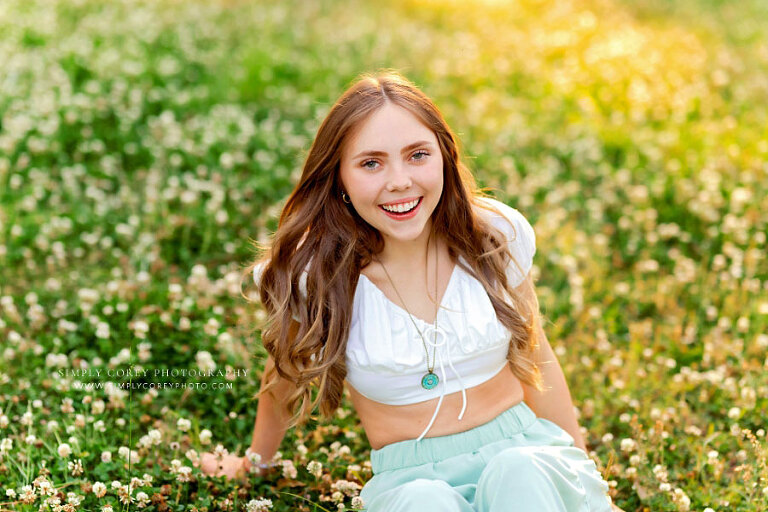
x: 384, y: 153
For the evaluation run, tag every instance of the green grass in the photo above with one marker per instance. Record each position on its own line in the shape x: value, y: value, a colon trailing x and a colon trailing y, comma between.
x: 144, y: 144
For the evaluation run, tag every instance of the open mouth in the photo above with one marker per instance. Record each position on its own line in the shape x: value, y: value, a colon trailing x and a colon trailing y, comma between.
x: 402, y: 209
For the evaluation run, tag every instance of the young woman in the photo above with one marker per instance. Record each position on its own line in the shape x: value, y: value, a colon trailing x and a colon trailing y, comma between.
x: 391, y: 272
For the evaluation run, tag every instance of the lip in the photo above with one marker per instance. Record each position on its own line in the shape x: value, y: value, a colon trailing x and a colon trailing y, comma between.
x: 401, y: 201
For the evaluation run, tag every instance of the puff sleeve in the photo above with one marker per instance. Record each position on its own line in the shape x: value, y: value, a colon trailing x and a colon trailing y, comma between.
x: 259, y: 268
x: 521, y: 240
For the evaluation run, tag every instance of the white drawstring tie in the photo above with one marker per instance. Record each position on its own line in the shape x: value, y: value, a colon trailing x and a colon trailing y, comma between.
x: 438, y: 333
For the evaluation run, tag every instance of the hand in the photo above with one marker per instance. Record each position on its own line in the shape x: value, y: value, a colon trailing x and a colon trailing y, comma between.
x: 615, y: 508
x: 230, y: 466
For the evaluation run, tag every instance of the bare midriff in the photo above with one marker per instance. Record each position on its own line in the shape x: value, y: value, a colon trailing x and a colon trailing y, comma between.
x: 385, y: 424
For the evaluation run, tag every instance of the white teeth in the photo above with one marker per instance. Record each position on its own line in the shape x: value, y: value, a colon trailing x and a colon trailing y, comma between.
x: 401, y: 208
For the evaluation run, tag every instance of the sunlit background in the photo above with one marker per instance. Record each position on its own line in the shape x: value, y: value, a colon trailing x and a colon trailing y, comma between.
x: 145, y: 147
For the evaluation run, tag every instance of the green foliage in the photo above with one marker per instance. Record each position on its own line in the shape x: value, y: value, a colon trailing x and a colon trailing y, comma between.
x: 144, y: 146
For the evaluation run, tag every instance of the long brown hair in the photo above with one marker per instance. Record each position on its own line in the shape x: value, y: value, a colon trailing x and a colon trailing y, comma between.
x: 321, y: 234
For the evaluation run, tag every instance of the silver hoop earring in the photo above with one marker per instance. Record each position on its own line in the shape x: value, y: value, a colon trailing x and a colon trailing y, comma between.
x: 345, y: 197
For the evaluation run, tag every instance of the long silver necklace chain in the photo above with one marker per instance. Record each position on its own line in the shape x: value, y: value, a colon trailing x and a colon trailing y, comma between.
x: 430, y: 379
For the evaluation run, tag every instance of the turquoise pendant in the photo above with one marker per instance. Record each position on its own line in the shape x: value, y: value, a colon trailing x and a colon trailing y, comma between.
x: 429, y: 381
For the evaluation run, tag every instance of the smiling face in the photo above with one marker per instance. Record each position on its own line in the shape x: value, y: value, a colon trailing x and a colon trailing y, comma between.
x: 393, y: 162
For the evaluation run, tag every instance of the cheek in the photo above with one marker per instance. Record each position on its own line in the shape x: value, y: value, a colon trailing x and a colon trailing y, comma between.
x: 363, y: 190
x: 435, y: 176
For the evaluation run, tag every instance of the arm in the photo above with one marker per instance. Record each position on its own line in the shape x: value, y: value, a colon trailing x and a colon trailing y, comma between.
x: 555, y: 403
x: 271, y: 420
x: 268, y: 429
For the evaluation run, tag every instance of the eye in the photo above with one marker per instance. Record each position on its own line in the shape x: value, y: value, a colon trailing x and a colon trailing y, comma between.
x: 366, y: 166
x: 421, y: 152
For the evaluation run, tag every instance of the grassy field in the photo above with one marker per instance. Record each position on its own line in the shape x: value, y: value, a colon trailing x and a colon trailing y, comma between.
x: 146, y: 145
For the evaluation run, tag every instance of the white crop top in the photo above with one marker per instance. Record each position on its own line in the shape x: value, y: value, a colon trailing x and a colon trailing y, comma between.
x: 385, y: 355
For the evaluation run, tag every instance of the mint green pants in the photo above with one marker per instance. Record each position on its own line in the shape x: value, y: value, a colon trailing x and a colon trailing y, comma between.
x: 515, y: 462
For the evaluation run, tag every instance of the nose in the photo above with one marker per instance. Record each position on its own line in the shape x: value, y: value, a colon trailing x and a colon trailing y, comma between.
x: 399, y: 178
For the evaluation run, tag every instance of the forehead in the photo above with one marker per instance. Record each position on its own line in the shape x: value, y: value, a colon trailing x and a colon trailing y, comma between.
x: 389, y: 127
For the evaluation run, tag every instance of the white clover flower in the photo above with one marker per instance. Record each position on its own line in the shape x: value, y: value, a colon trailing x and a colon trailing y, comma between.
x: 211, y: 327
x: 357, y: 503
x: 220, y: 451
x: 66, y: 406
x: 184, y: 474
x: 205, y: 361
x: 106, y: 456
x: 44, y: 486
x: 64, y: 450
x: 140, y: 329
x: 124, y: 453
x: 628, y: 445
x: 27, y: 495
x: 289, y: 470
x: 99, y: 489
x: 75, y: 467
x: 346, y: 486
x: 183, y: 424
x: 26, y: 419
x: 102, y: 331
x: 73, y: 498
x: 199, y: 270
x: 88, y: 296
x: 315, y: 468
x: 6, y: 445
x: 192, y: 455
x: 205, y: 436
x: 175, y: 291
x: 142, y: 499
x: 682, y: 500
x: 260, y: 505
x: 155, y: 436
x: 145, y: 441
x: 254, y: 458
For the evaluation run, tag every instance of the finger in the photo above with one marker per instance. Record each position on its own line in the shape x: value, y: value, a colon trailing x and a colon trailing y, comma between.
x: 207, y: 464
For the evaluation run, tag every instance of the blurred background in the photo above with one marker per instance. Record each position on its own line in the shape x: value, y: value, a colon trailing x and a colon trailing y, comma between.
x: 145, y: 147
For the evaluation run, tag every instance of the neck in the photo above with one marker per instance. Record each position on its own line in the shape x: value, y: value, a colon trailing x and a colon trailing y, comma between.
x: 410, y: 253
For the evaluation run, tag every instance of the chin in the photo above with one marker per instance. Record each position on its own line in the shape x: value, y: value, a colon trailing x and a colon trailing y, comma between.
x: 405, y: 236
